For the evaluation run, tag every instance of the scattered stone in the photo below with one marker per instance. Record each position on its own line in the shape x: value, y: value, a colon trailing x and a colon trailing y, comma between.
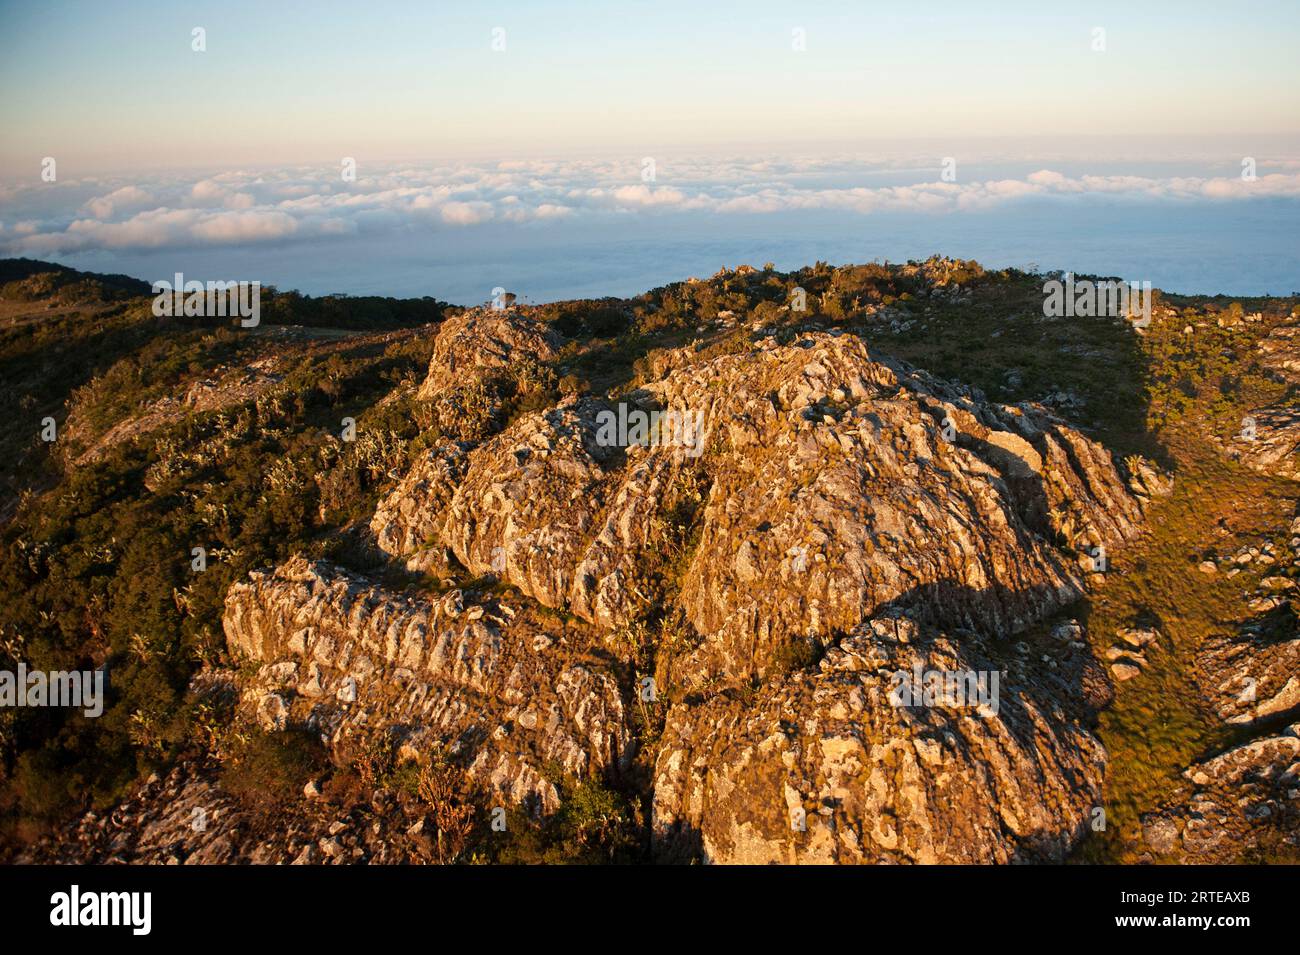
x: 1161, y: 834
x: 1125, y: 671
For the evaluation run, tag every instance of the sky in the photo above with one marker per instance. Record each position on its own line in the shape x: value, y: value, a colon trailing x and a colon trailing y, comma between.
x: 582, y: 147
x: 109, y: 83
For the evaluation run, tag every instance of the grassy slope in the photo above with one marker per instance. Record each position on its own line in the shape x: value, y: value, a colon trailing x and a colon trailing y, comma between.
x: 1158, y: 724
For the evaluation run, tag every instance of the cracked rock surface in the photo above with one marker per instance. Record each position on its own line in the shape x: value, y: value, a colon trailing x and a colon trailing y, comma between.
x: 854, y: 505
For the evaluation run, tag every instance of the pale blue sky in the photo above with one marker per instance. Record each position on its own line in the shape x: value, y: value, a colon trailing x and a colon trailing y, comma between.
x: 103, y: 84
x: 524, y: 167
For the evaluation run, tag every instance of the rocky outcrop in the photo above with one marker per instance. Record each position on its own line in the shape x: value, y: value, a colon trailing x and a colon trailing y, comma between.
x: 832, y: 765
x: 1270, y: 442
x: 783, y: 501
x: 1269, y: 439
x: 481, y: 358
x: 504, y: 695
x: 482, y: 342
x: 188, y: 818
x: 529, y: 501
x: 407, y: 518
x: 224, y: 388
x: 842, y: 485
x: 1254, y: 673
x: 1280, y: 350
x: 546, y: 507
x: 832, y: 485
x: 1244, y: 800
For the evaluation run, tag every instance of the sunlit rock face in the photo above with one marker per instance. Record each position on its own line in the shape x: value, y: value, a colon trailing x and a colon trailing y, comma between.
x: 833, y: 764
x: 832, y: 485
x: 829, y: 519
x: 343, y: 657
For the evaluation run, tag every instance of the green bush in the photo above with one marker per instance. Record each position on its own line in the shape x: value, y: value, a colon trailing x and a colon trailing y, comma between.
x: 264, y: 769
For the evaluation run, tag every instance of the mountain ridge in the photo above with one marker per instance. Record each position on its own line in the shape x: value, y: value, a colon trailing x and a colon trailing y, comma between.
x: 475, y: 485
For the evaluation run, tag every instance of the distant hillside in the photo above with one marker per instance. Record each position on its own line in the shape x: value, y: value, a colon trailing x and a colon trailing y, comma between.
x: 29, y: 279
x: 60, y: 329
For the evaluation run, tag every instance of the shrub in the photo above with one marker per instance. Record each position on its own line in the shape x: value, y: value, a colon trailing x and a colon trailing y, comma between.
x: 264, y: 769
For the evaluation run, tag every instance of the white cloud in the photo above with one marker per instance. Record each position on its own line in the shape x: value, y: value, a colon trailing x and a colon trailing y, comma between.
x: 245, y: 206
x: 466, y: 213
x: 643, y: 195
x: 126, y: 199
x: 208, y: 190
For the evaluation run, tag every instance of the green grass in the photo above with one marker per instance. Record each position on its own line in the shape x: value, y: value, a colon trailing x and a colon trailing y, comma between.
x: 1159, y: 724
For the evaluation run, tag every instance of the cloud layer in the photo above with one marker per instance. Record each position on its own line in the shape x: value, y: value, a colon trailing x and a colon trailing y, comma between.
x: 314, y: 203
